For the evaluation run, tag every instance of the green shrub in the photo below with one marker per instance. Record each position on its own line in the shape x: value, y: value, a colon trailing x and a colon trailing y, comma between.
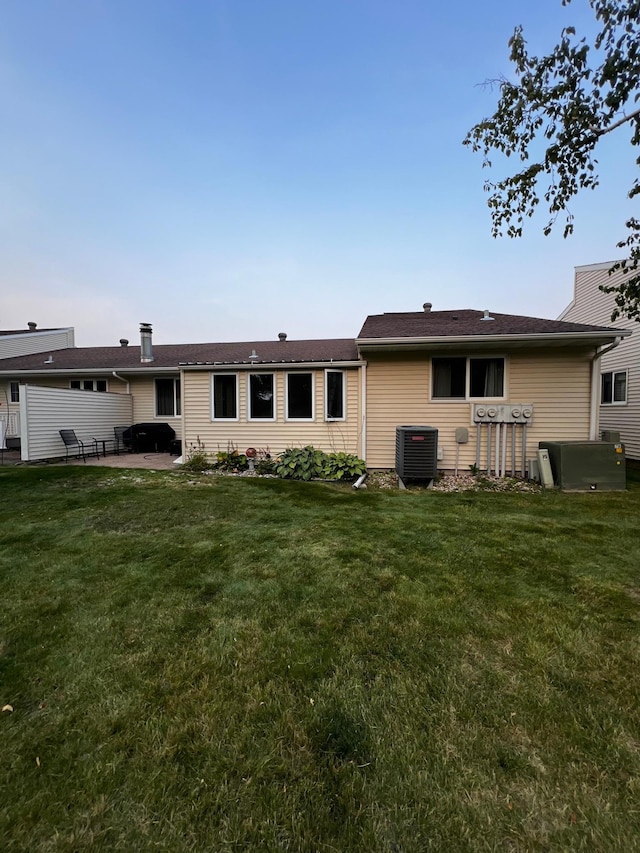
x: 307, y: 463
x: 300, y: 463
x: 343, y: 466
x: 231, y: 461
x: 197, y: 459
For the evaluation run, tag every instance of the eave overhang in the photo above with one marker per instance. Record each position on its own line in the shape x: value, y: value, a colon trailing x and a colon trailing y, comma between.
x: 268, y: 365
x: 89, y: 371
x: 450, y: 342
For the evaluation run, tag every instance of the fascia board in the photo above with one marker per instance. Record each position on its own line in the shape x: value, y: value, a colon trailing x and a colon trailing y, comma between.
x: 475, y: 340
x: 88, y: 371
x: 272, y: 365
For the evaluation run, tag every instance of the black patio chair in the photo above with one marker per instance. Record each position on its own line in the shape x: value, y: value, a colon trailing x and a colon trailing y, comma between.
x: 121, y: 441
x: 82, y: 448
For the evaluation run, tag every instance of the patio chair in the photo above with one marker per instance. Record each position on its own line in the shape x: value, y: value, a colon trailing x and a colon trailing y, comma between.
x: 119, y: 440
x: 82, y: 448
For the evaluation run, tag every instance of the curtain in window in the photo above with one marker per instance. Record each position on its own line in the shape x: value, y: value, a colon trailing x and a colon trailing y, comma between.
x: 493, y: 380
x: 441, y: 378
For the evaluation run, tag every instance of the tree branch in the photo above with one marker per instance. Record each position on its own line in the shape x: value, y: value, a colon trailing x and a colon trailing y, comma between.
x: 602, y: 130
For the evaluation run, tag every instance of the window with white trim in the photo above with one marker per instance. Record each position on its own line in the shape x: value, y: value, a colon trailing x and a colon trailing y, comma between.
x: 14, y: 392
x: 299, y: 396
x: 261, y: 397
x: 334, y: 395
x: 461, y: 378
x: 167, y: 397
x: 613, y: 388
x: 225, y: 396
x: 88, y: 384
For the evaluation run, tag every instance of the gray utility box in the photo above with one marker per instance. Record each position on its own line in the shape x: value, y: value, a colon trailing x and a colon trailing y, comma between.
x: 587, y: 465
x: 416, y: 452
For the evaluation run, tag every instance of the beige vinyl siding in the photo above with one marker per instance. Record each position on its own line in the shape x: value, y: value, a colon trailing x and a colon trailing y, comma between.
x: 33, y: 342
x: 590, y: 305
x: 144, y: 403
x: 274, y: 436
x: 556, y: 383
x: 44, y: 411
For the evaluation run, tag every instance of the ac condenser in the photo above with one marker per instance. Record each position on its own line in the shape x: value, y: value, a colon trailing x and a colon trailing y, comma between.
x: 416, y: 452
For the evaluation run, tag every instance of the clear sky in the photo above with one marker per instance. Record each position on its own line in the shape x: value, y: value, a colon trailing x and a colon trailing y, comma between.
x: 230, y: 169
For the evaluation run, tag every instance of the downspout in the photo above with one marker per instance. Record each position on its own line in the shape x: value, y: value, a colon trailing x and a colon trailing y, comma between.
x: 126, y: 381
x: 363, y: 403
x: 594, y: 419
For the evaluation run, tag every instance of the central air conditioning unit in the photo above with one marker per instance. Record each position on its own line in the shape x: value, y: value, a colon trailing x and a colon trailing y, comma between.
x: 416, y: 452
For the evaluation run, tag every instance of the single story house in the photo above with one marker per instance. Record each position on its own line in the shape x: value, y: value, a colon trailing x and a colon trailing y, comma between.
x: 620, y: 368
x: 464, y: 369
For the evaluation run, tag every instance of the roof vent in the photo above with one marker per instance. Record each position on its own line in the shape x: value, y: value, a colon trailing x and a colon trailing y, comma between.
x: 282, y: 336
x: 146, y: 346
x: 487, y: 315
x: 254, y: 355
x: 124, y: 342
x: 48, y: 360
x: 32, y: 326
x: 427, y: 307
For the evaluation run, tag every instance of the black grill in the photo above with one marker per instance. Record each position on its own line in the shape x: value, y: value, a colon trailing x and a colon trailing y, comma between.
x: 149, y: 438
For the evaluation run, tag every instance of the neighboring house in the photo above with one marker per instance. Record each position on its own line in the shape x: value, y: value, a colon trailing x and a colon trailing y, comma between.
x: 447, y: 369
x: 17, y: 342
x: 620, y: 368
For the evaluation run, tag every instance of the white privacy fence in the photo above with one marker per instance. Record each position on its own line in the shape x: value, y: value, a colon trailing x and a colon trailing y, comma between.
x: 45, y: 411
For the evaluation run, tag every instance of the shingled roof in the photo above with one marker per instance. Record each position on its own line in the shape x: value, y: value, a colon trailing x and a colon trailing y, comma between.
x: 166, y: 356
x: 466, y: 323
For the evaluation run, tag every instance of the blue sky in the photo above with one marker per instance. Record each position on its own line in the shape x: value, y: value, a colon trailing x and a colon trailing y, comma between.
x: 230, y: 169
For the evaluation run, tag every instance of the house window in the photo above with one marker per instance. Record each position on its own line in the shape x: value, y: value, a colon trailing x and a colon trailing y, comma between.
x: 225, y: 397
x: 334, y: 388
x: 261, y: 388
x: 167, y: 398
x: 461, y: 378
x: 614, y: 388
x: 88, y: 384
x: 299, y: 396
x: 14, y: 392
x: 486, y: 377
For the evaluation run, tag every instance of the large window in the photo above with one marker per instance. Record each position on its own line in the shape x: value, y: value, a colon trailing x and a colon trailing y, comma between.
x: 614, y: 388
x: 261, y: 396
x: 225, y: 397
x: 334, y: 395
x: 459, y: 378
x: 89, y: 384
x: 167, y: 398
x: 299, y: 396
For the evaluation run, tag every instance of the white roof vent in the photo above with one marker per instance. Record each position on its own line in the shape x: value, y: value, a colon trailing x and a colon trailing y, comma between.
x: 254, y: 355
x: 48, y: 360
x: 487, y: 315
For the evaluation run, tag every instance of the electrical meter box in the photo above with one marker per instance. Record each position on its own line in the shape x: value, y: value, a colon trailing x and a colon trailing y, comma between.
x: 587, y: 466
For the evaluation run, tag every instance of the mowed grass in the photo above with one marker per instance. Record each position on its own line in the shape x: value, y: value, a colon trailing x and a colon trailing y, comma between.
x: 218, y: 664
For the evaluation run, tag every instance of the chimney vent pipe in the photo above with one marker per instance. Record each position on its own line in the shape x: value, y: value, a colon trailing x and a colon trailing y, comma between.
x: 32, y: 326
x: 282, y: 336
x: 146, y: 345
x: 124, y: 342
x: 427, y: 307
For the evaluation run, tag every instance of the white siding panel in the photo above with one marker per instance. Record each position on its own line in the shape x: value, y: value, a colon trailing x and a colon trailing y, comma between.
x: 32, y: 342
x: 590, y: 305
x: 45, y: 411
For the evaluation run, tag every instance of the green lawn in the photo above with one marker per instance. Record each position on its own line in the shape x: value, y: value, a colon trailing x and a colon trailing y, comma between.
x: 219, y: 664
